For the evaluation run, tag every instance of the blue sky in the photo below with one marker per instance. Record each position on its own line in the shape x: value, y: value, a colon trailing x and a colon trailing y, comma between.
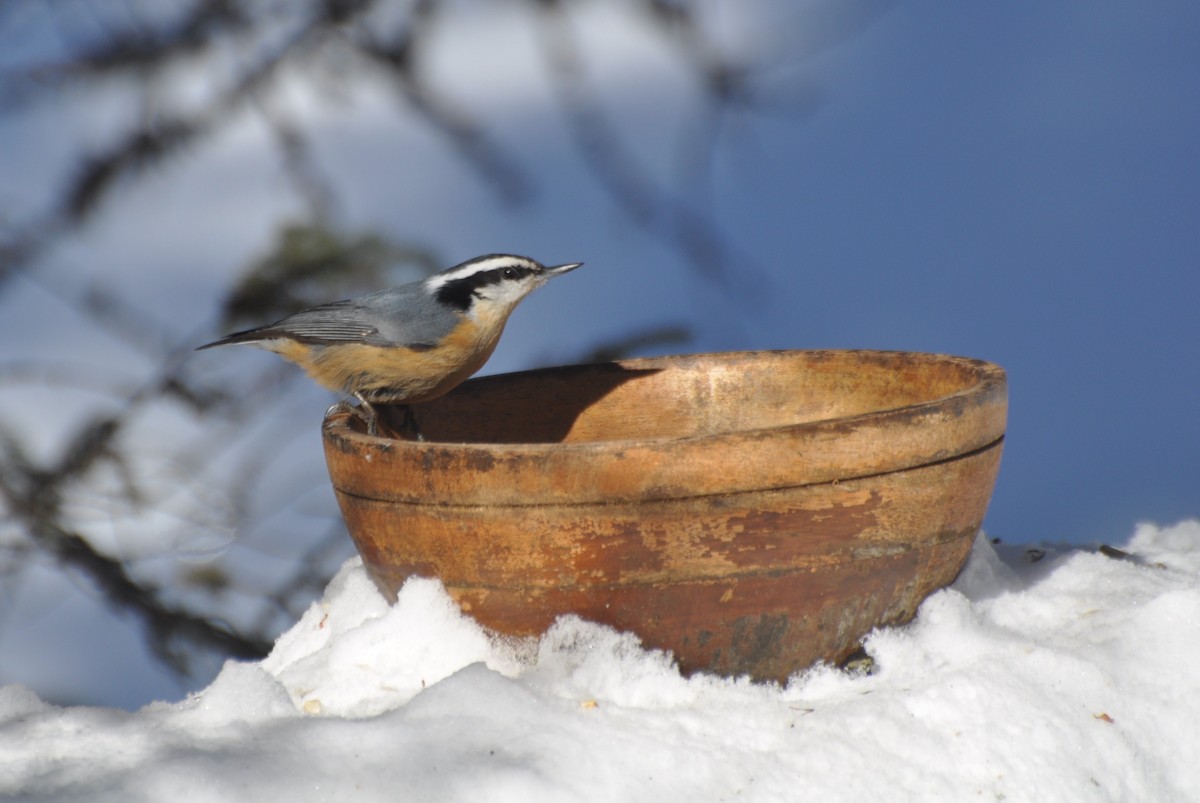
x: 1016, y: 182
x: 1022, y: 183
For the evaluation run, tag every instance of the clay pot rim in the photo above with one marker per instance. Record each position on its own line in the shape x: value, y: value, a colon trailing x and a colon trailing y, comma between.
x: 991, y: 379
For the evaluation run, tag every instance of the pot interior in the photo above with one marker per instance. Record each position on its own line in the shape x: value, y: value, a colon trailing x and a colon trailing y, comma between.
x: 687, y: 396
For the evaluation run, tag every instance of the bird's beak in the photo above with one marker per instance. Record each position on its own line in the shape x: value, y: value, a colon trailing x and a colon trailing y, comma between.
x: 560, y: 269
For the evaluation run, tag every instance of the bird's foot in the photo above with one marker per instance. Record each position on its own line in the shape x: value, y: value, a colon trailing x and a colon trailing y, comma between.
x: 340, y: 407
x: 365, y: 413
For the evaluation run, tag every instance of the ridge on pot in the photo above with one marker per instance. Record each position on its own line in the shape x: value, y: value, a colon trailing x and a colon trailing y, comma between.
x: 751, y: 512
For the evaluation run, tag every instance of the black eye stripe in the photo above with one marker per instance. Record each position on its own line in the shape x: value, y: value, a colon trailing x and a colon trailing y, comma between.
x: 458, y: 292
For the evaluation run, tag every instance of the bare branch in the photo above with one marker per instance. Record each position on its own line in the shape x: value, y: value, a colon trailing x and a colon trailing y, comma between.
x: 34, y: 498
x: 98, y: 471
x: 615, y: 168
x: 398, y: 58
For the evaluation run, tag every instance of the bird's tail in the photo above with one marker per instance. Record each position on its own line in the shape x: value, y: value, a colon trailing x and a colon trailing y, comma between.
x: 248, y: 336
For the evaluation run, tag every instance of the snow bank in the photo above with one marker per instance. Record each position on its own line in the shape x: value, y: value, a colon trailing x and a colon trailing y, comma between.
x: 1042, y: 674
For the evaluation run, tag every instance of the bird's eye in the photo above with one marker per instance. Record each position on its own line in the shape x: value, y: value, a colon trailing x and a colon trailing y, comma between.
x: 509, y: 273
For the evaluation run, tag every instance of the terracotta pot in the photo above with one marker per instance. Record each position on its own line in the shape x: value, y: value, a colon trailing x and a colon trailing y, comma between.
x: 750, y: 512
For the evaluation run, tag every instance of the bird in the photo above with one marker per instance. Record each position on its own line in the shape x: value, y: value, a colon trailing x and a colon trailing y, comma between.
x: 407, y: 344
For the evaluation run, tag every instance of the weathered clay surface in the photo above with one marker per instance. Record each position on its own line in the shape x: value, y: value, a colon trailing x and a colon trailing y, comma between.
x: 751, y: 512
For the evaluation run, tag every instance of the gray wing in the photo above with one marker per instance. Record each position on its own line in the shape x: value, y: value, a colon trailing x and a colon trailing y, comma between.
x: 401, y: 316
x: 408, y: 316
x: 342, y: 321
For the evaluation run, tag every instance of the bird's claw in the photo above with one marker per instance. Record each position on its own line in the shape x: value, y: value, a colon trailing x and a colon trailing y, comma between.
x: 367, y: 411
x: 364, y: 411
x: 339, y: 407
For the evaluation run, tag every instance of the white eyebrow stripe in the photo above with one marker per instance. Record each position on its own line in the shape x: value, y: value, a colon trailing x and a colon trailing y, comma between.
x: 473, y: 267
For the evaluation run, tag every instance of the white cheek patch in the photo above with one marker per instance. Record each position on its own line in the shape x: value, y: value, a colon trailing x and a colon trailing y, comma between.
x: 509, y: 294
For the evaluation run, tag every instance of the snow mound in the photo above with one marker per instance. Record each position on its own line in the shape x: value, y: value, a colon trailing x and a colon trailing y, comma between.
x: 1043, y: 673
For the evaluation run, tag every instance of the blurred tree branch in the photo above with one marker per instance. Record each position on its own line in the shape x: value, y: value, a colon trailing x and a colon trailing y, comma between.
x: 247, y: 50
x: 675, y: 219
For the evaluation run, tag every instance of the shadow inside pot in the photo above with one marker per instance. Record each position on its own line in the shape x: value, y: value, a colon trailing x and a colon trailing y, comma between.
x: 530, y: 407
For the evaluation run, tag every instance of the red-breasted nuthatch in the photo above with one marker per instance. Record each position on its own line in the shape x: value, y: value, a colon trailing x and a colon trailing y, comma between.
x: 407, y: 344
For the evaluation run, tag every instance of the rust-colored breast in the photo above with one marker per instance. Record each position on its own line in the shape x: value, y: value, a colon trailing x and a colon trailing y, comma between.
x: 397, y: 374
